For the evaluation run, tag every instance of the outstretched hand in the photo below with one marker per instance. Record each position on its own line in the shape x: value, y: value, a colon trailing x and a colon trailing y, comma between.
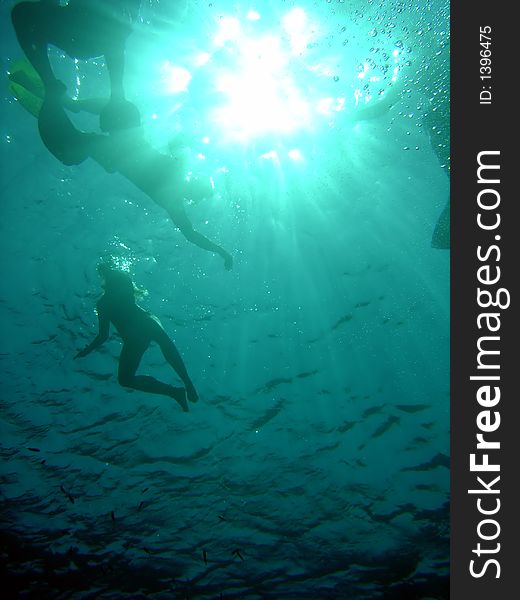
x: 228, y: 262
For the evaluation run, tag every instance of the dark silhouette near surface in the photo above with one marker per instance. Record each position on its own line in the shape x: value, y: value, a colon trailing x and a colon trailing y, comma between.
x: 437, y: 123
x: 137, y: 328
x: 432, y: 78
x: 124, y: 150
x: 83, y: 29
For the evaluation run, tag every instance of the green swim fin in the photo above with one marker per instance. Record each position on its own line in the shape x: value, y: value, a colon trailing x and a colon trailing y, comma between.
x: 26, y: 86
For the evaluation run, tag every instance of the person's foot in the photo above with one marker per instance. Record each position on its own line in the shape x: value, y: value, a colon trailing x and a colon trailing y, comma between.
x: 191, y: 392
x: 179, y: 394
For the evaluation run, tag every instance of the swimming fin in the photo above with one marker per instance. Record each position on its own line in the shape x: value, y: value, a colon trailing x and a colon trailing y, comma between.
x: 26, y: 86
x: 59, y: 135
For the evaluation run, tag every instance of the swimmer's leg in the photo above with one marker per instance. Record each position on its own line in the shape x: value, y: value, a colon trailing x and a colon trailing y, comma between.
x: 94, y: 106
x: 59, y: 135
x: 175, y: 210
x: 31, y: 21
x: 172, y: 355
x: 129, y: 360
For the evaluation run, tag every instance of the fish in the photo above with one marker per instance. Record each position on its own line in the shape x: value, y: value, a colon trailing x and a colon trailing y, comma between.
x: 439, y: 460
x: 383, y: 518
x: 412, y: 408
x: 426, y: 487
x: 384, y: 427
x: 112, y: 515
x: 372, y: 410
x: 343, y: 319
x: 273, y: 383
x: 420, y: 440
x: 98, y: 376
x: 49, y: 339
x: 307, y: 374
x: 267, y: 416
x: 237, y: 553
x: 346, y: 426
x: 205, y: 557
x: 34, y: 449
x: 69, y: 496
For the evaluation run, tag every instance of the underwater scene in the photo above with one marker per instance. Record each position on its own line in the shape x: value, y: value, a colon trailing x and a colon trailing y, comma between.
x: 224, y: 306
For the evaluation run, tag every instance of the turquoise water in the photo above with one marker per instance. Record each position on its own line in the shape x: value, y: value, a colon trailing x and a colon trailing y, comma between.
x: 315, y: 464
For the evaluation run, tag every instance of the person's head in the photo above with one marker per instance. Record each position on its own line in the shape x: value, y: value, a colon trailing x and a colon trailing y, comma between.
x: 116, y: 282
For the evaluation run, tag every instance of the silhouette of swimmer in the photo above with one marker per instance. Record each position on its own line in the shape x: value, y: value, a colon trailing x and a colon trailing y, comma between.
x: 432, y: 79
x: 123, y: 150
x: 83, y: 29
x: 437, y: 122
x: 138, y: 329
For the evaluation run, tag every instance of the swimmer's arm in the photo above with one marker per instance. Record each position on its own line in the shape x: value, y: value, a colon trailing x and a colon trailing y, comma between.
x: 34, y: 46
x: 102, y: 336
x: 179, y: 217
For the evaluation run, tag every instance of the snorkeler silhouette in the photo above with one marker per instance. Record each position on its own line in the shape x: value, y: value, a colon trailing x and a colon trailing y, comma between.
x: 163, y: 178
x: 83, y: 29
x: 138, y: 329
x: 432, y: 80
x: 437, y: 123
